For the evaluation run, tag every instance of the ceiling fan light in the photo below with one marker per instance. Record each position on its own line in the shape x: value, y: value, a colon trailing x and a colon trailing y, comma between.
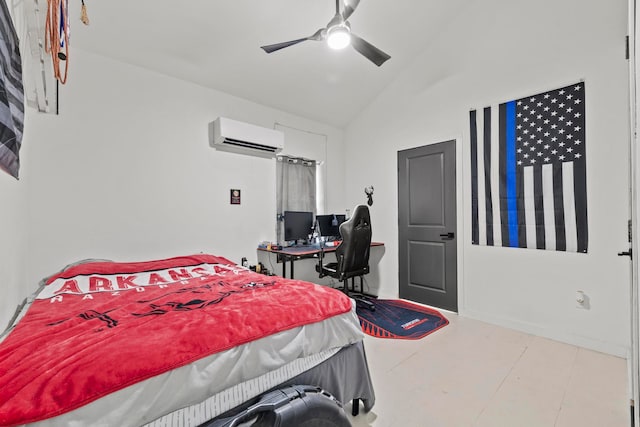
x: 338, y: 37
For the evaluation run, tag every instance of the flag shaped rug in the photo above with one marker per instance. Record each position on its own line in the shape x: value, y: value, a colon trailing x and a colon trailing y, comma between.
x: 399, y: 319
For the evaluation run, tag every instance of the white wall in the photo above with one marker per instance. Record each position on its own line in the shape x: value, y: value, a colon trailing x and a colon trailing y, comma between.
x: 499, y: 50
x: 125, y: 172
x: 13, y: 246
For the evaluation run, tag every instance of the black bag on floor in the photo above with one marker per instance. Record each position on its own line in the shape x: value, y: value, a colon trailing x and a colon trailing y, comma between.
x: 294, y: 406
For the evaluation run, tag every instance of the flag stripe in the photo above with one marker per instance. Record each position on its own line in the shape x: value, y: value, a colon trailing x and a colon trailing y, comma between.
x: 495, y: 175
x: 561, y: 242
x: 549, y: 219
x: 512, y: 208
x: 529, y: 207
x: 482, y: 210
x: 569, y: 207
x: 520, y: 213
x: 474, y: 178
x: 504, y: 208
x: 580, y: 185
x: 487, y: 174
x: 538, y: 191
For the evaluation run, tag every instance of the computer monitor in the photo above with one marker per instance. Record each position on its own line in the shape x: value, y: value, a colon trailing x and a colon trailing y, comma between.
x: 297, y: 225
x: 330, y: 225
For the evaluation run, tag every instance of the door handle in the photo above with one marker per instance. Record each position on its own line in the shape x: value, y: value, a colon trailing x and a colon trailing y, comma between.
x: 447, y: 236
x: 626, y: 253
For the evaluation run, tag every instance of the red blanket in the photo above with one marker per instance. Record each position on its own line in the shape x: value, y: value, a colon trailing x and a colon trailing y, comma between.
x: 98, y: 327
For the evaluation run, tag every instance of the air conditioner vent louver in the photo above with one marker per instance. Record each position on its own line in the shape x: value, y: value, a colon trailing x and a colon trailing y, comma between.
x: 245, y: 138
x: 250, y: 145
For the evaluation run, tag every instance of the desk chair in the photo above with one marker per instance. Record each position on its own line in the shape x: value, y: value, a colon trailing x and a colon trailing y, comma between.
x: 352, y: 255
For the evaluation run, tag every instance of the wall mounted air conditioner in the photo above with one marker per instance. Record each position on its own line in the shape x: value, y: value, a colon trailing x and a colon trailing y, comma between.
x: 245, y: 138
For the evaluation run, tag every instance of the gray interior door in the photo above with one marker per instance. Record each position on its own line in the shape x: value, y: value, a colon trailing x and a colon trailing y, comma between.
x: 427, y: 225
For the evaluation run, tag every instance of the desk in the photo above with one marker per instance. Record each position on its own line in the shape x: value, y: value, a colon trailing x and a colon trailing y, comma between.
x: 292, y: 253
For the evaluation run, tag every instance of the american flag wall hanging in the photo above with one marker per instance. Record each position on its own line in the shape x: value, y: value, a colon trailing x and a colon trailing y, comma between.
x: 11, y: 95
x: 528, y: 172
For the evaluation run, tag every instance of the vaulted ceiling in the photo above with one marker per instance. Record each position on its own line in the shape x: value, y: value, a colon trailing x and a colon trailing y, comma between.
x: 216, y: 44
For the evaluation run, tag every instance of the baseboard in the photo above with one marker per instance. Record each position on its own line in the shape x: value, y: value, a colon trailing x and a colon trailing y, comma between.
x: 584, y: 342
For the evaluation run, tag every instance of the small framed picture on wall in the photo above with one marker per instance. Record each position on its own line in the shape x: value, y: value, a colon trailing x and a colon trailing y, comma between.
x: 235, y: 197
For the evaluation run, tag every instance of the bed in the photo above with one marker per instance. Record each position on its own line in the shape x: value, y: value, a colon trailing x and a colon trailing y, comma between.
x: 177, y: 341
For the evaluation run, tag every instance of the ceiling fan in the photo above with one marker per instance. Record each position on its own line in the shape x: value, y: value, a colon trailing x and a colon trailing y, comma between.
x: 338, y: 35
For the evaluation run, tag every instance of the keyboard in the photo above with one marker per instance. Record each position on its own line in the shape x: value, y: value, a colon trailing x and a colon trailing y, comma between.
x: 302, y: 248
x: 313, y: 246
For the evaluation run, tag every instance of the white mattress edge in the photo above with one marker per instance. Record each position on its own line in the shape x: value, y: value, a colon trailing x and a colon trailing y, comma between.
x: 219, y: 403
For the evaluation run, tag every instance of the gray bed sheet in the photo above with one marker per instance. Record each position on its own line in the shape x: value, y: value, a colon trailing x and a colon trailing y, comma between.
x: 345, y: 375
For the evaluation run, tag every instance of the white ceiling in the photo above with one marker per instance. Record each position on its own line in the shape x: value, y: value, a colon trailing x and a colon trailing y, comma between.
x: 216, y: 44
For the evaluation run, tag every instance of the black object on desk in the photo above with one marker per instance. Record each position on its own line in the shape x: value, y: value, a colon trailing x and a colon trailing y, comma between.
x: 330, y: 225
x: 297, y: 225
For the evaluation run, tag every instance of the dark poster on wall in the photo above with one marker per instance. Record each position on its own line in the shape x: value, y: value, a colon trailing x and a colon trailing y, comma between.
x: 235, y: 197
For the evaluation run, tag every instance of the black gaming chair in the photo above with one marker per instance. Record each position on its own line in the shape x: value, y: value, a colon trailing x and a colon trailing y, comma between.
x: 352, y: 255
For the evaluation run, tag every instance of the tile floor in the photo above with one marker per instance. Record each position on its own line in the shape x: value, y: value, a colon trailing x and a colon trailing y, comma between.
x: 471, y: 373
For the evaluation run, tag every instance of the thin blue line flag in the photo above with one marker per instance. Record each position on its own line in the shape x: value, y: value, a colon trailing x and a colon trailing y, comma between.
x: 528, y: 172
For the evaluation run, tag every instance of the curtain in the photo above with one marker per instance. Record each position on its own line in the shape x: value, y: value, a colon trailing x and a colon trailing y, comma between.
x: 296, y: 187
x: 11, y: 95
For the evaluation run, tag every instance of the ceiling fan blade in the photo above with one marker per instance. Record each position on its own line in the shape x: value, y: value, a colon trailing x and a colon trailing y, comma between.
x: 368, y: 50
x: 318, y: 35
x: 277, y: 46
x: 349, y: 7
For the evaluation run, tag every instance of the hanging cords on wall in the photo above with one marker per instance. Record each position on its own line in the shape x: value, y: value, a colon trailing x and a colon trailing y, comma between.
x: 57, y: 37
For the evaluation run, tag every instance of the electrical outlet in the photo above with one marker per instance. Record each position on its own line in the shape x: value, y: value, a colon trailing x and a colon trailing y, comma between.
x: 582, y: 300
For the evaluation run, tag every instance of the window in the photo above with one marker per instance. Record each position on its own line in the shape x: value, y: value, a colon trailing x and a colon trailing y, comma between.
x: 300, y: 174
x: 295, y: 187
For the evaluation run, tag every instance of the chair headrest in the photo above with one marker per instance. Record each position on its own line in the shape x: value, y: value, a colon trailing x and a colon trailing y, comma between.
x: 361, y: 215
